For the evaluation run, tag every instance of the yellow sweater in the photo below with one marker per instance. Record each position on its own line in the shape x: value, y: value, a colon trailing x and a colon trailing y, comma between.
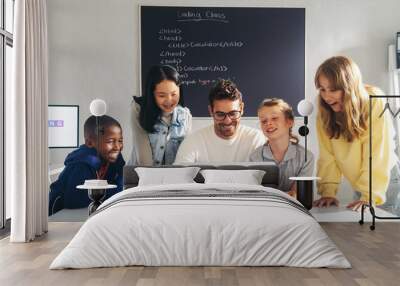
x: 338, y: 157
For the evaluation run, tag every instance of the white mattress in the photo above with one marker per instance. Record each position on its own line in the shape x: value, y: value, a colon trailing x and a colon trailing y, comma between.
x: 183, y: 231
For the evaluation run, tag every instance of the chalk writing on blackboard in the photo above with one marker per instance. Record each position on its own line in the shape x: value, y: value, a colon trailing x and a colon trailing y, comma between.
x: 211, y: 68
x: 207, y: 44
x: 196, y: 16
x: 172, y: 54
x: 170, y: 38
x: 172, y: 62
x: 170, y: 31
x: 261, y: 49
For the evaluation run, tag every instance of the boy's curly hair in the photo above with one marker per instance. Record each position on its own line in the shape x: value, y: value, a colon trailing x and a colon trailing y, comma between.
x: 105, y: 122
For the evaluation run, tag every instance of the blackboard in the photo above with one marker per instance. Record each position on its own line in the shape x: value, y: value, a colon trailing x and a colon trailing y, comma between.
x: 261, y: 49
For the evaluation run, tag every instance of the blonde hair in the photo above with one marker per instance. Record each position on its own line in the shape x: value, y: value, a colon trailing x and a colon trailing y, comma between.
x: 343, y: 74
x: 286, y: 109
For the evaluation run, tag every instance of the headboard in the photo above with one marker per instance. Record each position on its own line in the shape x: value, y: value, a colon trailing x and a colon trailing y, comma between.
x: 270, y: 179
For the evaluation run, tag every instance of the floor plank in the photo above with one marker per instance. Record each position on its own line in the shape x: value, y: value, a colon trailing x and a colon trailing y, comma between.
x: 374, y: 255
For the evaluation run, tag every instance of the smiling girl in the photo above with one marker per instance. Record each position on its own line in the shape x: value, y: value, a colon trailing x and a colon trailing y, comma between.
x: 159, y: 120
x: 276, y: 121
x: 343, y: 134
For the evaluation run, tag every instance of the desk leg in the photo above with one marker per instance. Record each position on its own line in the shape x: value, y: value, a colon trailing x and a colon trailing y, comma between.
x: 305, y: 193
x: 97, y: 196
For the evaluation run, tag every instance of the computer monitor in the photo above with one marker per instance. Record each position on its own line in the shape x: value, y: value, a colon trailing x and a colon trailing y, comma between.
x: 63, y: 126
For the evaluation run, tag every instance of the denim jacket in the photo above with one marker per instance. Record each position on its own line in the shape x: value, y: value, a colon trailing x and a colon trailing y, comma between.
x: 166, y: 139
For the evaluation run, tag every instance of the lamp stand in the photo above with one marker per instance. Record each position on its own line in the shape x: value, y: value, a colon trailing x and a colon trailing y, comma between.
x: 303, y: 131
x: 97, y: 142
x: 305, y: 137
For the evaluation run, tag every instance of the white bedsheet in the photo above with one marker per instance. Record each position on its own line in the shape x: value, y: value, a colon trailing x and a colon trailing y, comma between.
x: 200, y: 231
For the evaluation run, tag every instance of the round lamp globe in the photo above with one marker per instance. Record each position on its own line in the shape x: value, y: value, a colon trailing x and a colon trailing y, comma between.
x: 305, y: 107
x: 98, y: 107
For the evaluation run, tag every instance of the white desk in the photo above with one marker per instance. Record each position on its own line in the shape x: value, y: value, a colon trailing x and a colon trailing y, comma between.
x: 331, y: 214
x: 342, y: 214
x: 70, y: 215
x: 54, y: 171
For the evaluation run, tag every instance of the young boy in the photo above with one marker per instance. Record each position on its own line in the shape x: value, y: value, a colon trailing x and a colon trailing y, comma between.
x: 90, y: 161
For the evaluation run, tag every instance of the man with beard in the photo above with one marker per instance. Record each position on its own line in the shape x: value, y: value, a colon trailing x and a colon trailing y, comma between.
x: 226, y: 140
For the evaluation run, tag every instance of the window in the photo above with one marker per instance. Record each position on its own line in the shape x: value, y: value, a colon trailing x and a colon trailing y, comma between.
x: 6, y: 44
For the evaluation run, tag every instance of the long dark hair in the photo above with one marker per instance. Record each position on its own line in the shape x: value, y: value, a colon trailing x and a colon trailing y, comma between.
x: 149, y: 111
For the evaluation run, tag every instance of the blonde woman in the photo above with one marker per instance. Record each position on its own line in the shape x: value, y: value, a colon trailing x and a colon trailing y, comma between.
x: 276, y: 121
x: 343, y: 134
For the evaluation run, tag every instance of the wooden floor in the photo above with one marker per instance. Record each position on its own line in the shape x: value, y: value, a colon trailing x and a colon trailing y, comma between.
x: 374, y: 255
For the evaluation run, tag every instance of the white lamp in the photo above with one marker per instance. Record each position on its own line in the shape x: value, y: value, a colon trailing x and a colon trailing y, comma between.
x: 98, y: 107
x: 96, y: 188
x: 305, y: 108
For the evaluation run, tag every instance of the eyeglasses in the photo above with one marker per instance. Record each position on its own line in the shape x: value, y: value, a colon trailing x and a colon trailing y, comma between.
x: 234, y: 114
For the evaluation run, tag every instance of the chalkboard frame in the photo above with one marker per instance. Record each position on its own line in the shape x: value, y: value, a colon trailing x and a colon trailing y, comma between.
x: 246, y: 99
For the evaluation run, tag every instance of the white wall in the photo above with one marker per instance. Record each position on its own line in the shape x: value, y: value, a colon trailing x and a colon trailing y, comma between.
x: 93, y: 46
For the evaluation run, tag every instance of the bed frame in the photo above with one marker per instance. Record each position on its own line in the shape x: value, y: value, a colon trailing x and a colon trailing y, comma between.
x: 270, y: 179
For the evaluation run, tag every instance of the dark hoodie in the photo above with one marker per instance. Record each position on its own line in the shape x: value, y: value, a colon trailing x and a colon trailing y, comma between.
x: 81, y: 165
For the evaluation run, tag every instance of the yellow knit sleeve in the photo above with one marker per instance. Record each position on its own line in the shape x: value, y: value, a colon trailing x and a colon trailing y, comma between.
x: 382, y: 155
x: 327, y: 168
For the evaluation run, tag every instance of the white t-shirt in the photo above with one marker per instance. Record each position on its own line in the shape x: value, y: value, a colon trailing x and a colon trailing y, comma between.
x: 204, y: 146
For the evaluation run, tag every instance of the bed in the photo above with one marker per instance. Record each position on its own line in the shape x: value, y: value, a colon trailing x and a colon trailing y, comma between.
x: 201, y: 224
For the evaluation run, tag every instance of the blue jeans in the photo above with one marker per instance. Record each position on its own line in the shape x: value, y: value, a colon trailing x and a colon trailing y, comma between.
x: 392, y: 203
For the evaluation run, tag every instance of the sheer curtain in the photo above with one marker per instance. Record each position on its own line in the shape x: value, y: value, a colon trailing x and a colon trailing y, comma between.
x: 26, y: 116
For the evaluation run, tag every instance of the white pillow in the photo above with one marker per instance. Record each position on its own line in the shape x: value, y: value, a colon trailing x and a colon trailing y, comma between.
x: 249, y: 177
x: 163, y: 176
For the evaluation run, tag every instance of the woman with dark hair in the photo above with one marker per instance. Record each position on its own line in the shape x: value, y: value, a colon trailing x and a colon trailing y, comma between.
x: 159, y: 120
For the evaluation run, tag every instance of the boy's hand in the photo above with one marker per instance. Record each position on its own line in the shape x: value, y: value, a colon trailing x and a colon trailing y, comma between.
x: 292, y: 193
x: 356, y: 205
x: 326, y: 202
